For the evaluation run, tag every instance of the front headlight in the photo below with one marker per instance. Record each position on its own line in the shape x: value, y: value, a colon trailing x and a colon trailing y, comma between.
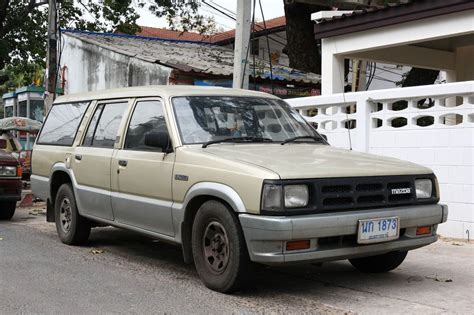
x: 274, y: 197
x: 296, y: 196
x: 9, y: 171
x: 424, y: 188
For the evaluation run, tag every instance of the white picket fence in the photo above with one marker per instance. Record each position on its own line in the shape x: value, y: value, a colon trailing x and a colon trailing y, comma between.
x: 436, y: 129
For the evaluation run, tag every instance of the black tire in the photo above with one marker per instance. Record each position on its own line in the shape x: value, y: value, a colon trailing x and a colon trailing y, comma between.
x: 379, y: 263
x: 225, y: 275
x: 7, y: 210
x: 71, y: 227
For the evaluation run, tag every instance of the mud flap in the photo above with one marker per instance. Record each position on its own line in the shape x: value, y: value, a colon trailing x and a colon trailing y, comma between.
x: 49, y: 212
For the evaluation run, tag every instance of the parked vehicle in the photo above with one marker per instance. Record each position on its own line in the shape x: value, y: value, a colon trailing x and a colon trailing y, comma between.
x: 234, y: 177
x: 10, y: 182
x: 8, y: 128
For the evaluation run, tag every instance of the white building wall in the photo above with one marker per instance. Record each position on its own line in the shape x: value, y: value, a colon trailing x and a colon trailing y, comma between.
x: 446, y: 147
x: 91, y: 68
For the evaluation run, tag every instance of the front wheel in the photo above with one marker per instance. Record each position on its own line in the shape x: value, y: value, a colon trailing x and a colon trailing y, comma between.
x: 219, y: 249
x: 379, y: 263
x: 72, y: 228
x: 7, y: 210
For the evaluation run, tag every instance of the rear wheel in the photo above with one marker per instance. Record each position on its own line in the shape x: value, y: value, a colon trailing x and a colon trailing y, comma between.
x: 379, y: 263
x: 219, y: 249
x: 71, y: 227
x: 7, y: 210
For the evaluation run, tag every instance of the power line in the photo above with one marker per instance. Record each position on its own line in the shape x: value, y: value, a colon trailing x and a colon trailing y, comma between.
x: 234, y: 19
x: 268, y: 44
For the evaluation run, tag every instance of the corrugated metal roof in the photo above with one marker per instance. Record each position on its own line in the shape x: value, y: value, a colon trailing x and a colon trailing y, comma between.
x: 390, y: 14
x: 188, y: 56
x: 359, y: 12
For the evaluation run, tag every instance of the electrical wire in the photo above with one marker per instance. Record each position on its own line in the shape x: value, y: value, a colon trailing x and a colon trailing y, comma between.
x: 234, y: 14
x: 234, y: 19
x: 268, y: 45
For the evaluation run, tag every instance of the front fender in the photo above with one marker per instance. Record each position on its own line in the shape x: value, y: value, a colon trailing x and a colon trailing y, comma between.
x: 217, y: 190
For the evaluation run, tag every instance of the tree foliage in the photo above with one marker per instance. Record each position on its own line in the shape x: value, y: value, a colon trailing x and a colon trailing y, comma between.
x: 23, y: 23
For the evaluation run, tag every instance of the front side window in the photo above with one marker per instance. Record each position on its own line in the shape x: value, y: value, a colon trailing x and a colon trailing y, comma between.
x: 209, y: 118
x: 148, y: 117
x: 104, y: 125
x: 61, y: 126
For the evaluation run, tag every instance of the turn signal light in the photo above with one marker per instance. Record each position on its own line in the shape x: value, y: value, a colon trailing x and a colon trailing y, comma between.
x: 19, y: 171
x: 298, y: 245
x: 422, y: 230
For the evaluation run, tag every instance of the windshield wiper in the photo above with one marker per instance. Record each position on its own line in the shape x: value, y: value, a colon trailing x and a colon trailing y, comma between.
x: 317, y: 139
x: 238, y: 139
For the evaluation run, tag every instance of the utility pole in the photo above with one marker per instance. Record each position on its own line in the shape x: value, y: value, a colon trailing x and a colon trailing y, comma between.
x: 241, y: 50
x: 52, y: 61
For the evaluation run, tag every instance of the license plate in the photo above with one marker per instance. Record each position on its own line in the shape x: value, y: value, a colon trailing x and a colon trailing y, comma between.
x: 378, y: 230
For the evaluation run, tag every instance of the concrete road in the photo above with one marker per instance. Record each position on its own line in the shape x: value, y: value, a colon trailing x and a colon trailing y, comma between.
x: 133, y: 274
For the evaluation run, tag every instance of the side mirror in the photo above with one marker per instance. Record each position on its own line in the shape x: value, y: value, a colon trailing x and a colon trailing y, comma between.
x: 324, y: 136
x: 160, y: 140
x: 3, y: 144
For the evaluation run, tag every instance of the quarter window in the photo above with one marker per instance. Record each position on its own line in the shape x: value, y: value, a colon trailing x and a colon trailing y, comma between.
x: 148, y: 117
x: 104, y: 125
x: 61, y: 125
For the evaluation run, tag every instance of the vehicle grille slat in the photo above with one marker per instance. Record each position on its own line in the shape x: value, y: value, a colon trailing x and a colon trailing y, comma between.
x: 363, y: 192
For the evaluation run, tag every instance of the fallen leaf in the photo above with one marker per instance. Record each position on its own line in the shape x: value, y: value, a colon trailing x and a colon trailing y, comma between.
x: 97, y: 251
x: 440, y: 279
x: 457, y: 244
x: 1, y: 238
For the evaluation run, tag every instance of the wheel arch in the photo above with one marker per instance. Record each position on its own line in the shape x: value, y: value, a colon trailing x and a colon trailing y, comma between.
x: 59, y: 175
x: 198, y: 195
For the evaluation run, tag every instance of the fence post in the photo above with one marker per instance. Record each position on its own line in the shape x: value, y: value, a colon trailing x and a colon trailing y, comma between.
x: 362, y: 124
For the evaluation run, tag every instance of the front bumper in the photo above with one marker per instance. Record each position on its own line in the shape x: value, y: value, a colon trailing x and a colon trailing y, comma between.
x: 333, y: 236
x: 10, y: 189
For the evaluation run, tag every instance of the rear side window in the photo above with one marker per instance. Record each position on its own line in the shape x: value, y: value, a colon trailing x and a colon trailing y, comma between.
x: 61, y: 126
x: 104, y: 125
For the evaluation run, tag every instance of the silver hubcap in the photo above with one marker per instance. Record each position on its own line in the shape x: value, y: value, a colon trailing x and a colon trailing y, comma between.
x: 65, y: 215
x: 215, y: 246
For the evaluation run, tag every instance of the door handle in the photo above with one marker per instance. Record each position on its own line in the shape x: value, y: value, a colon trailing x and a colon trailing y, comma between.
x: 123, y: 163
x: 78, y: 157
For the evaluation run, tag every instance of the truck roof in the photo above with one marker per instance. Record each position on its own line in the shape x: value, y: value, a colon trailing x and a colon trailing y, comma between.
x: 164, y: 91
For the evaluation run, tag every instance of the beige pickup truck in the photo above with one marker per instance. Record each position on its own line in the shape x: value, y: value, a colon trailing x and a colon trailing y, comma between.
x: 234, y: 177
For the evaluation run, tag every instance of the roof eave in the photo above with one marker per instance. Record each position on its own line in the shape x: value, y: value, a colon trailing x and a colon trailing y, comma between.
x: 381, y: 18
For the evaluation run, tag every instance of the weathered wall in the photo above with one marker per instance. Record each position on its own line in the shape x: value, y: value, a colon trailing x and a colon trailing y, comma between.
x: 91, y: 68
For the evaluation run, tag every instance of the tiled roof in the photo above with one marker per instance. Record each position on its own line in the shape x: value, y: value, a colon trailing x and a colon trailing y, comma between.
x: 164, y: 33
x: 270, y: 24
x: 187, y: 56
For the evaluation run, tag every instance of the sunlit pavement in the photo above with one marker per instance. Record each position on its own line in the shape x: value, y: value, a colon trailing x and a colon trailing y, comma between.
x: 121, y: 272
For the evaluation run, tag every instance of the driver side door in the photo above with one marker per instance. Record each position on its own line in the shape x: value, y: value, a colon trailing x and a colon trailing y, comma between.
x: 142, y: 175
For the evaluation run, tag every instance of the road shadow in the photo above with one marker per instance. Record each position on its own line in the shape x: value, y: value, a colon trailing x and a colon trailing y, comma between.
x: 265, y: 281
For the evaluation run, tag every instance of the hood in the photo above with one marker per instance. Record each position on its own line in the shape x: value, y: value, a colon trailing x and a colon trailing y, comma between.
x: 296, y: 161
x: 7, y: 159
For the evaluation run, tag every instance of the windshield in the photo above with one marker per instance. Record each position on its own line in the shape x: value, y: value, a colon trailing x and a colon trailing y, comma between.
x: 209, y: 118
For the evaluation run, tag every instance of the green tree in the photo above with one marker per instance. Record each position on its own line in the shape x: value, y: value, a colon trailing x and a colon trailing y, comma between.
x: 23, y: 23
